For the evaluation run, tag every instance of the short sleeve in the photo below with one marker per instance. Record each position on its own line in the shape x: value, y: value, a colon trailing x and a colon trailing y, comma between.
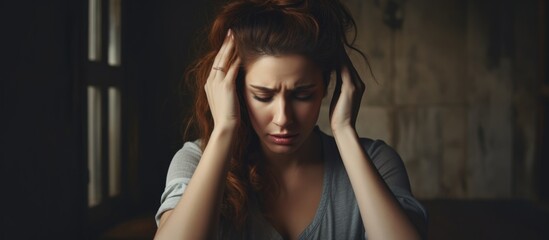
x: 391, y: 168
x: 179, y: 174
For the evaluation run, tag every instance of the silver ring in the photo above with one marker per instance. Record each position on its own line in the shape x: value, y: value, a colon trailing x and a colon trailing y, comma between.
x: 219, y: 69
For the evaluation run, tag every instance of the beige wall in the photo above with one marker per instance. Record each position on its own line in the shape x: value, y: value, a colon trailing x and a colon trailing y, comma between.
x: 454, y: 93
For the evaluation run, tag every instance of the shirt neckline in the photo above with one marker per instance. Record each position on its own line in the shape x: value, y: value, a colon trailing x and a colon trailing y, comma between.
x: 324, y: 197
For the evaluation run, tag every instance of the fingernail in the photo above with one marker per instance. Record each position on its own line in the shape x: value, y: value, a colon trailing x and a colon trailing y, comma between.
x: 229, y: 32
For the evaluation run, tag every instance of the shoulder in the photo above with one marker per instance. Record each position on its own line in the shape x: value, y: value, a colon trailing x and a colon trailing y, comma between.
x: 185, y: 160
x: 391, y: 169
x: 375, y: 149
x: 189, y: 149
x: 190, y: 152
x: 384, y: 157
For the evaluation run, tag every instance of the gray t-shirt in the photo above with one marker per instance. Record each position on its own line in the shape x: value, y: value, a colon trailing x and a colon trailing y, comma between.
x: 337, y: 216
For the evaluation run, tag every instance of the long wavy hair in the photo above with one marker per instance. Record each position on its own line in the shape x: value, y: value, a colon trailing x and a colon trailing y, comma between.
x: 316, y: 29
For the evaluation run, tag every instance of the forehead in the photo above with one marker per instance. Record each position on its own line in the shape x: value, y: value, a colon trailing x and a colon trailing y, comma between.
x: 287, y: 70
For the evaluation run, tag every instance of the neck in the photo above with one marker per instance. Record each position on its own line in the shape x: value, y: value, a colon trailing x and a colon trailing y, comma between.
x: 307, y: 154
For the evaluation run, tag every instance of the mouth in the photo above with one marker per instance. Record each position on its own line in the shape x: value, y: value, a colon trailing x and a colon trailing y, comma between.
x: 283, y: 139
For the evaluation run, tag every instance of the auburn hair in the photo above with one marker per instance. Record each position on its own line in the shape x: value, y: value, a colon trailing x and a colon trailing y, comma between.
x: 316, y: 29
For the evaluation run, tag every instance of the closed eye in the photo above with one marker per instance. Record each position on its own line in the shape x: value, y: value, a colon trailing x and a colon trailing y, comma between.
x: 303, y: 96
x: 262, y: 99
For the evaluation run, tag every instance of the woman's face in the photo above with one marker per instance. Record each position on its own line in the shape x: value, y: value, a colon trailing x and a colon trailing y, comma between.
x: 283, y: 95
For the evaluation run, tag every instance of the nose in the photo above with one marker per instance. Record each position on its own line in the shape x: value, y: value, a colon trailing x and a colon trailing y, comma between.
x: 283, y: 116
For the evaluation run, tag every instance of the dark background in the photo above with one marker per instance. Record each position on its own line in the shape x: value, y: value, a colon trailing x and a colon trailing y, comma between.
x: 43, y: 97
x: 43, y: 111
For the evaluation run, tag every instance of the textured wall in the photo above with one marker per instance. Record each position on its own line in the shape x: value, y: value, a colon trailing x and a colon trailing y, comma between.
x: 453, y: 93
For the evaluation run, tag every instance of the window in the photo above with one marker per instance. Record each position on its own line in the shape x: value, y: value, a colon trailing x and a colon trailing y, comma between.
x: 105, y: 106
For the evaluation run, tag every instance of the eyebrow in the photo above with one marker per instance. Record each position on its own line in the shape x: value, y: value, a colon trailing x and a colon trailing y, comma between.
x: 299, y: 88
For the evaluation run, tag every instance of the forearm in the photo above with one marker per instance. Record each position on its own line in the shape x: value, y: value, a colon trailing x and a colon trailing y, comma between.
x: 380, y: 211
x: 197, y: 213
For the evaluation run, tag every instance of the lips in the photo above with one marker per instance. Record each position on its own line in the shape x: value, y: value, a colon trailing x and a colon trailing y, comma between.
x: 283, y: 139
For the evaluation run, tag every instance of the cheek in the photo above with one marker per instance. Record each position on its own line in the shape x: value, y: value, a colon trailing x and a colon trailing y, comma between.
x: 256, y: 112
x: 308, y: 112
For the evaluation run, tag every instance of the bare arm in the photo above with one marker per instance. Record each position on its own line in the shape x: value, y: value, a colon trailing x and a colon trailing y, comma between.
x: 198, y: 210
x: 197, y: 213
x: 382, y: 215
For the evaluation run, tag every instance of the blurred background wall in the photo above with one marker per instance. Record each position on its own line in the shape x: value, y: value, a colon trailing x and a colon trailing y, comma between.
x: 457, y: 92
x: 460, y: 91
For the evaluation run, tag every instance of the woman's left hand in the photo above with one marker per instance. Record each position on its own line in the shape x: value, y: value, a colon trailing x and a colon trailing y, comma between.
x: 347, y: 97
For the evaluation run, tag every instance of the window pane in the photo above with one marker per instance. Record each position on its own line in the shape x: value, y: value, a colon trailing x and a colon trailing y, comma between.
x: 94, y: 146
x: 114, y: 32
x: 94, y: 30
x: 114, y: 141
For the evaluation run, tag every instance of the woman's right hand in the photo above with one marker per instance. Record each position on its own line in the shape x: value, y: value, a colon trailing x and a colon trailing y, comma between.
x: 221, y: 86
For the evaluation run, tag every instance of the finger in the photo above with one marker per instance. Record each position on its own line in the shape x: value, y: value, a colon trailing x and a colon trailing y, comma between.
x: 221, y: 50
x: 232, y: 72
x: 355, y: 77
x: 337, y: 92
x: 346, y: 81
x: 217, y: 58
x: 352, y: 83
x: 227, y: 54
x: 353, y: 73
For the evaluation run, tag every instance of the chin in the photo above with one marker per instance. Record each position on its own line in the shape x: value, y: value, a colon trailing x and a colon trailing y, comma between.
x: 280, y: 148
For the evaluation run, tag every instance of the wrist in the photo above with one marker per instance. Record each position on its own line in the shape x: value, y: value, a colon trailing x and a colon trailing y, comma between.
x: 343, y: 127
x: 226, y: 125
x: 344, y: 130
x: 224, y: 130
x: 223, y: 139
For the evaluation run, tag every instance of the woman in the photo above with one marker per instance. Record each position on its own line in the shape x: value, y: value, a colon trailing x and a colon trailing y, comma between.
x: 262, y: 169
